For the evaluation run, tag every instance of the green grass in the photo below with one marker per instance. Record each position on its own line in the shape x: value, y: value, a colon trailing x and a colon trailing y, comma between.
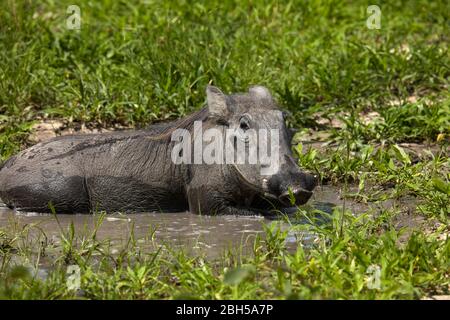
x: 138, y: 62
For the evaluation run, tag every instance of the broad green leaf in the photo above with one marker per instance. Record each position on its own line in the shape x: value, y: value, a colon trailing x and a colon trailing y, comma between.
x: 401, y: 154
x: 441, y: 186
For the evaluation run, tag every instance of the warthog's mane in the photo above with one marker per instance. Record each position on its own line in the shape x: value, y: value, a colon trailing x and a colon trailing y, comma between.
x: 163, y: 131
x: 157, y: 134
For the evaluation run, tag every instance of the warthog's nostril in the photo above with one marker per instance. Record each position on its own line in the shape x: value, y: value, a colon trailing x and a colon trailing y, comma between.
x: 301, y: 196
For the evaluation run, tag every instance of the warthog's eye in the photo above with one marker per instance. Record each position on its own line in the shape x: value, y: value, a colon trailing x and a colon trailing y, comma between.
x: 244, y: 124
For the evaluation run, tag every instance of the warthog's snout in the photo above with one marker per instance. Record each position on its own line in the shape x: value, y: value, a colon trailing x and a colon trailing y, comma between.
x: 301, y: 190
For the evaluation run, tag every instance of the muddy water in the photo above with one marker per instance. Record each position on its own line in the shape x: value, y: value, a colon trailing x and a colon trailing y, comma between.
x: 193, y: 232
x: 211, y: 235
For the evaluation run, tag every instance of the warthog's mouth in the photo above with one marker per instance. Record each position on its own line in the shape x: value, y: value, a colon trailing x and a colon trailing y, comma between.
x: 261, y: 189
x: 298, y: 194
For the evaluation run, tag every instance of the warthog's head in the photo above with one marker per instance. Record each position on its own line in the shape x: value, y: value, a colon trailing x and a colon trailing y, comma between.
x: 256, y: 122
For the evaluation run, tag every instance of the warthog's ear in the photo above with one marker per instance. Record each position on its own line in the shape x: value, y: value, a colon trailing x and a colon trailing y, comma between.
x: 217, y: 104
x: 260, y: 92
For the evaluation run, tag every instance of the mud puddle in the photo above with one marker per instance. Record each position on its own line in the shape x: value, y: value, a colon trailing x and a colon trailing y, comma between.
x: 209, y: 235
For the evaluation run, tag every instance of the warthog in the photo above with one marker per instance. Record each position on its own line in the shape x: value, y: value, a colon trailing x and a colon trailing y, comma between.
x: 135, y: 171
